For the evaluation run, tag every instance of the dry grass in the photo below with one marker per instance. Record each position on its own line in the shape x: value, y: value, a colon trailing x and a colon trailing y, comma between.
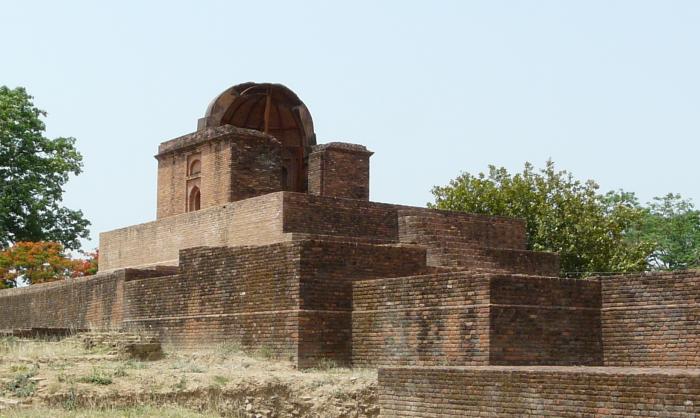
x: 61, y: 379
x: 139, y: 411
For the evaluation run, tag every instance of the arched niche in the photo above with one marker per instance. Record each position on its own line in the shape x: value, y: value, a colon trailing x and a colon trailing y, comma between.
x: 275, y: 110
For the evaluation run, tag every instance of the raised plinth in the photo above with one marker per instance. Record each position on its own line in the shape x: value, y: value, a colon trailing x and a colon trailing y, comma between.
x: 494, y: 391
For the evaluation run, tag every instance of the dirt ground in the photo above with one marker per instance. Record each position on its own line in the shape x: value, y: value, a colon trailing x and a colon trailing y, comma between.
x: 63, y: 379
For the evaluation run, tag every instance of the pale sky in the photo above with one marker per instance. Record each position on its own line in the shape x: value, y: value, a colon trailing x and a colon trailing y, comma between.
x: 610, y: 90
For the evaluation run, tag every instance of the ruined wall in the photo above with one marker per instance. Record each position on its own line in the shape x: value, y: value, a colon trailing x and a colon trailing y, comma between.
x: 327, y: 271
x: 463, y: 318
x: 293, y: 298
x: 81, y: 303
x: 244, y: 294
x: 537, y: 391
x: 543, y: 320
x: 652, y: 320
x: 428, y: 319
x: 304, y: 213
x: 339, y: 169
x: 250, y: 222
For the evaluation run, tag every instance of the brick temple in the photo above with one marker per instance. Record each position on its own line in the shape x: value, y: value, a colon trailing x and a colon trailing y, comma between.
x: 265, y: 238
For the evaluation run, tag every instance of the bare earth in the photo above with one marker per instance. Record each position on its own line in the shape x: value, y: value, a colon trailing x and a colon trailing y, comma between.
x: 62, y: 379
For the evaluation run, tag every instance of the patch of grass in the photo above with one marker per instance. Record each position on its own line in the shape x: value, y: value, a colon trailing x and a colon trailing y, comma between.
x: 21, y: 384
x: 220, y: 380
x: 142, y: 411
x: 181, y: 384
x: 71, y: 400
x: 326, y: 364
x: 264, y: 352
x: 120, y: 371
x: 97, y: 377
x: 230, y: 348
x: 133, y: 364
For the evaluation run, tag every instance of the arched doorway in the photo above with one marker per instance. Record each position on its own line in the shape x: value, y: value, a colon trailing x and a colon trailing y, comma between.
x: 194, y: 201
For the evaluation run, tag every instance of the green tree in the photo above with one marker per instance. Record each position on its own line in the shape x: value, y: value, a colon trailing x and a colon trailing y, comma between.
x: 589, y: 230
x: 34, y: 170
x: 673, y: 224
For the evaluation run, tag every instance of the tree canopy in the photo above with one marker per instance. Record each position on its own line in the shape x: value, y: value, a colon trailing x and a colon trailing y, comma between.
x: 39, y: 262
x: 34, y: 170
x: 592, y: 232
x: 673, y: 224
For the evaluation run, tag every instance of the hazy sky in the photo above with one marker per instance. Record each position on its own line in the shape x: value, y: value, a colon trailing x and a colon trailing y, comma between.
x: 610, y: 90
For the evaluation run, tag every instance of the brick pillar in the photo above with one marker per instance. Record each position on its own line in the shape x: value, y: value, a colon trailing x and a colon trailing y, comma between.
x: 339, y: 169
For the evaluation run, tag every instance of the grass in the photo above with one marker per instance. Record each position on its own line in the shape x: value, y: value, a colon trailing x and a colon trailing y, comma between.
x: 97, y: 377
x: 139, y: 411
x: 21, y: 384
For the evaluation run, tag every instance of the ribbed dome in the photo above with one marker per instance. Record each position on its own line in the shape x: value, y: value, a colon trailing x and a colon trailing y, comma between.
x: 273, y: 109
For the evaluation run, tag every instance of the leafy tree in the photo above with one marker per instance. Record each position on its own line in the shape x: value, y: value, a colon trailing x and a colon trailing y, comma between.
x: 588, y: 230
x: 34, y: 170
x: 34, y: 262
x: 673, y: 225
x: 41, y: 262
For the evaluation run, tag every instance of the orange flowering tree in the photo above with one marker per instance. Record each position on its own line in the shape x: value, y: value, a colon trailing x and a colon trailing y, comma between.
x: 40, y: 262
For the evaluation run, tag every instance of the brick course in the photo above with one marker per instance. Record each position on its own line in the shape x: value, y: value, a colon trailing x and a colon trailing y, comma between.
x: 652, y: 320
x: 538, y: 391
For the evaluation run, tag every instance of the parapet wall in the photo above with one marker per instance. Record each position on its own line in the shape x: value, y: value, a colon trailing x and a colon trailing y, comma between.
x: 538, y: 391
x: 652, y: 320
x: 255, y: 221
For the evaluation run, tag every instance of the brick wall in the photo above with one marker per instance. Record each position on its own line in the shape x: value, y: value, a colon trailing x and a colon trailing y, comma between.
x: 243, y: 294
x: 304, y: 213
x: 235, y: 164
x: 339, y: 169
x: 95, y: 301
x: 464, y: 318
x: 327, y: 271
x: 430, y: 227
x: 293, y: 298
x: 652, y: 320
x: 538, y: 391
x: 542, y: 320
x: 248, y: 222
x: 428, y: 319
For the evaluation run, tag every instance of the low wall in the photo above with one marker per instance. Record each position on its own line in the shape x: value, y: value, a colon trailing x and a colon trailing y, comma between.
x: 464, y: 318
x: 95, y: 301
x: 538, y: 391
x: 652, y: 320
x: 425, y: 226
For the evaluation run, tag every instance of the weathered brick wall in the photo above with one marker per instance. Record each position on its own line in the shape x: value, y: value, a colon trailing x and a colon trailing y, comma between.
x: 244, y: 294
x: 428, y: 319
x: 253, y: 221
x: 293, y: 298
x: 235, y: 164
x: 544, y: 320
x: 81, y: 303
x: 464, y: 318
x: 339, y: 169
x: 652, y: 320
x: 538, y: 391
x: 282, y: 216
x: 304, y: 213
x: 430, y: 227
x: 327, y: 271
